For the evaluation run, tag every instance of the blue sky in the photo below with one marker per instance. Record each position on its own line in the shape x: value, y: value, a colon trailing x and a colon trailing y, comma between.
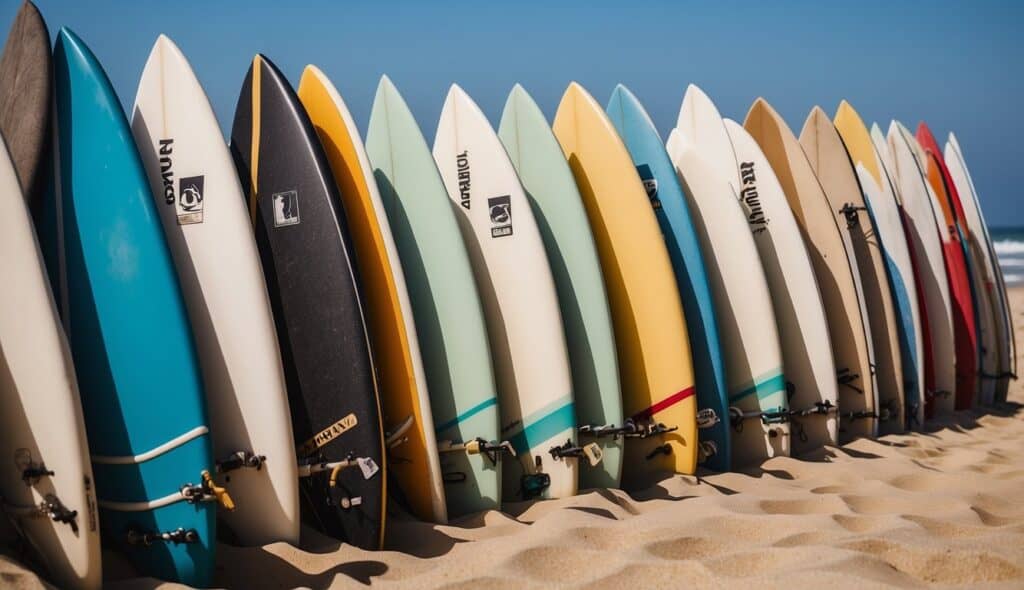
x: 957, y: 65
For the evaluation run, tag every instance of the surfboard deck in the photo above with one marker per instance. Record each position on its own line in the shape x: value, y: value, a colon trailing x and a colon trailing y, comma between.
x: 524, y: 324
x: 206, y: 224
x: 672, y: 211
x: 305, y: 252
x: 647, y: 315
x: 880, y: 198
x: 123, y: 311
x: 750, y: 340
x: 828, y: 157
x: 396, y: 351
x: 569, y: 244
x: 803, y: 327
x: 958, y: 270
x: 26, y: 82
x: 41, y: 424
x: 834, y: 267
x: 445, y: 303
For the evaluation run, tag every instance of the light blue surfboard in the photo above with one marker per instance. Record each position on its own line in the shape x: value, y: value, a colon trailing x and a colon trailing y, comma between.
x: 666, y: 194
x: 132, y: 345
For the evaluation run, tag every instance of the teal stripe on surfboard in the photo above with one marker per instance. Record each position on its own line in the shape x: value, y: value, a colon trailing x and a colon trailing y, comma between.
x: 488, y: 403
x: 544, y: 424
x: 765, y: 386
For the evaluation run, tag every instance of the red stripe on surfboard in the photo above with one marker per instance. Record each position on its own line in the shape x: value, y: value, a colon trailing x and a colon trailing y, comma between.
x: 664, y: 404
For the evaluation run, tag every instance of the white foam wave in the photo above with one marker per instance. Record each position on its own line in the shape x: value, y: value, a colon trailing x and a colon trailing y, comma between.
x: 1011, y: 262
x: 1003, y: 247
x: 1013, y: 279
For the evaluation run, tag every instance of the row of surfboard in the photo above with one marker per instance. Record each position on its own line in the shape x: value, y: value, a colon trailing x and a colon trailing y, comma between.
x: 305, y: 326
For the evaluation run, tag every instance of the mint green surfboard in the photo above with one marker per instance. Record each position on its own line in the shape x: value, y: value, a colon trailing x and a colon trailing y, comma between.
x: 446, y: 306
x: 564, y: 227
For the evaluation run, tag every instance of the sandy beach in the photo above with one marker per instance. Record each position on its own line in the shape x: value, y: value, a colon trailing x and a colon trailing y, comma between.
x: 942, y: 507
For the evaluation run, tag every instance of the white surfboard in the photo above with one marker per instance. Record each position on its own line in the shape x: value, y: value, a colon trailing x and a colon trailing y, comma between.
x: 803, y: 328
x: 746, y: 320
x: 210, y: 236
x: 994, y: 286
x: 46, y: 485
x: 524, y: 323
x: 925, y: 238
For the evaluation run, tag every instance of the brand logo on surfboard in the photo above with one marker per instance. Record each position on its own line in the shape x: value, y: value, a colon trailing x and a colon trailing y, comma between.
x: 166, y: 173
x: 190, y: 199
x: 328, y: 434
x: 650, y: 184
x: 286, y: 208
x: 500, y: 209
x: 751, y: 201
x: 462, y: 163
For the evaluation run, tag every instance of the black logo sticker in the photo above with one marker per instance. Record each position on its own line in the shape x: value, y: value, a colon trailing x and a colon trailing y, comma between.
x: 650, y: 184
x: 750, y: 200
x: 462, y: 163
x: 500, y: 209
x: 286, y: 208
x: 190, y: 199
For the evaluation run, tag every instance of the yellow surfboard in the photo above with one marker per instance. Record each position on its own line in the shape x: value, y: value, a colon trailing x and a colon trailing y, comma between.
x: 412, y: 453
x: 647, y: 313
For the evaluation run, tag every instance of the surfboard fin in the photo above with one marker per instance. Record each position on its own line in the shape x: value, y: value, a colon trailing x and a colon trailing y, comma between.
x: 177, y: 537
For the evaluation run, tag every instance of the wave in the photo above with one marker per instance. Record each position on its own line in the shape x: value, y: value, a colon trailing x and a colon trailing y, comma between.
x: 1003, y: 247
x: 1011, y: 262
x: 1013, y: 279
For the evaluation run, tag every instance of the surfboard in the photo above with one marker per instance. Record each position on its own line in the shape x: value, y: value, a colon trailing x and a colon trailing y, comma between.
x: 926, y: 233
x: 445, y: 305
x: 396, y: 350
x: 1002, y: 318
x: 569, y: 244
x: 531, y: 362
x: 831, y: 162
x: 26, y: 80
x: 650, y: 330
x: 211, y: 242
x: 803, y: 328
x: 758, y: 408
x: 305, y: 253
x: 123, y: 312
x: 880, y: 198
x: 957, y: 270
x: 834, y: 267
x: 46, y: 485
x: 665, y: 194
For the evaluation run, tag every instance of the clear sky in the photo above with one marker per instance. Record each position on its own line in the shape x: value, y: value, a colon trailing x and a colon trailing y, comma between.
x: 957, y: 65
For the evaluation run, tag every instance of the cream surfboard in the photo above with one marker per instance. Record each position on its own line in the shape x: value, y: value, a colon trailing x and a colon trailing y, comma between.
x: 524, y: 323
x: 803, y: 327
x: 927, y: 232
x: 880, y: 198
x: 556, y: 203
x: 834, y: 267
x: 1005, y: 348
x: 647, y: 314
x: 749, y: 335
x: 405, y: 405
x: 207, y: 227
x: 46, y: 482
x: 831, y: 162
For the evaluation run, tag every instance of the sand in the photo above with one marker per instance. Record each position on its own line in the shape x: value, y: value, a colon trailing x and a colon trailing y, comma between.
x: 943, y: 507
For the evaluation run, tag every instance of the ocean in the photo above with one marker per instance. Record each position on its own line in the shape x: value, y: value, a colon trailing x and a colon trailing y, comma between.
x: 1009, y: 245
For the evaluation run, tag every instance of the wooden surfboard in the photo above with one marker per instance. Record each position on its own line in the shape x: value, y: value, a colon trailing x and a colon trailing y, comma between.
x: 305, y: 252
x: 831, y: 162
x: 834, y: 267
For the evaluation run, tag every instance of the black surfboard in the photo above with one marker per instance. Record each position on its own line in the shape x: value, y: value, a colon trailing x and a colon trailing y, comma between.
x: 25, y: 82
x: 300, y: 233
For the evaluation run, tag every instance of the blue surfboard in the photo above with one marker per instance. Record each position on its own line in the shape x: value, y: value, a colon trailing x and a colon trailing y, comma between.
x: 130, y: 338
x: 666, y: 194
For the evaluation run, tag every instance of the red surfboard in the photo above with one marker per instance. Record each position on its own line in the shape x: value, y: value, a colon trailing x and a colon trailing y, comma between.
x: 964, y: 329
